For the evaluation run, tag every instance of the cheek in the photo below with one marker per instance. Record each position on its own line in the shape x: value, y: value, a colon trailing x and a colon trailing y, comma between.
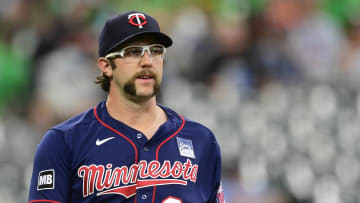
x: 122, y: 73
x: 160, y: 73
x: 120, y: 78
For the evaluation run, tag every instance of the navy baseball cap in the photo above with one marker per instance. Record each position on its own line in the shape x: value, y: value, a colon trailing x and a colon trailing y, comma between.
x: 124, y: 26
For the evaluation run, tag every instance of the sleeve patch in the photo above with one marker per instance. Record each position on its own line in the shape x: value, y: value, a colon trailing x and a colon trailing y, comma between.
x: 46, y: 180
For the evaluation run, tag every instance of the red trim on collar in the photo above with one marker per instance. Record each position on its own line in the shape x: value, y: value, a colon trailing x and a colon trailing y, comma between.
x: 119, y: 133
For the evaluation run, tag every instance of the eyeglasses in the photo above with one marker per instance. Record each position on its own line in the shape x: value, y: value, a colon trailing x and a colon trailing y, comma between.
x: 134, y: 53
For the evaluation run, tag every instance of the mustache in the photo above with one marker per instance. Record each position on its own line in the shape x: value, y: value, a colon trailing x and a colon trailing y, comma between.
x: 149, y: 73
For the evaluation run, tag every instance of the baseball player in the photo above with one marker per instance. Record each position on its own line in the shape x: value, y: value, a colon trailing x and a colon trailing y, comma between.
x: 128, y: 148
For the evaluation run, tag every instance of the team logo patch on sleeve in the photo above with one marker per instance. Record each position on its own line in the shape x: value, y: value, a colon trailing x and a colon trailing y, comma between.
x: 220, y: 195
x: 46, y: 180
x: 186, y: 148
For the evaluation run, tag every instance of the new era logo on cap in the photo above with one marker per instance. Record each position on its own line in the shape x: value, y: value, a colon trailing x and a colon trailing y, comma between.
x: 139, y: 17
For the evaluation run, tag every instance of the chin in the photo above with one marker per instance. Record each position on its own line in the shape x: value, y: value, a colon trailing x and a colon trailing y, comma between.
x: 140, y: 98
x: 145, y: 94
x: 146, y: 90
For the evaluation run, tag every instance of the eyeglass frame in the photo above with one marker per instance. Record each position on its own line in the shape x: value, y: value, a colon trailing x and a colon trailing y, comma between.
x: 144, y: 48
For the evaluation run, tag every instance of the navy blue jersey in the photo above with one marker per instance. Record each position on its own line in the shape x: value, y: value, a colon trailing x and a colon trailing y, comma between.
x: 95, y: 158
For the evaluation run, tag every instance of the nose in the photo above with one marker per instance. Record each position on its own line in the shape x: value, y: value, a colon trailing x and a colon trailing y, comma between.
x: 146, y: 59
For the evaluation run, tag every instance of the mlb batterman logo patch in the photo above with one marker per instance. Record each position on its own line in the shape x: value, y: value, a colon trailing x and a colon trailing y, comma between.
x: 46, y: 180
x: 186, y: 148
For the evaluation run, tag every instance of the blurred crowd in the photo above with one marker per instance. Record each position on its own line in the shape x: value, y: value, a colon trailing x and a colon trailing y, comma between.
x: 276, y: 80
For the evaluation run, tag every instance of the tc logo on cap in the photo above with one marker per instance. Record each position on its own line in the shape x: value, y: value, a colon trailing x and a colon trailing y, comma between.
x: 139, y: 17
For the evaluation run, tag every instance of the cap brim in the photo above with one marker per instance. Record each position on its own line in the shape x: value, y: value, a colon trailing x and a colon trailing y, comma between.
x: 160, y: 37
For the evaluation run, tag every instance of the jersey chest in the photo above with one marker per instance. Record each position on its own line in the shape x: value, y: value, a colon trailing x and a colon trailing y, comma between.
x: 126, y: 167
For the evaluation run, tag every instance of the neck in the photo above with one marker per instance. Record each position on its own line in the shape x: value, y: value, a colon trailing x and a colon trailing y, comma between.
x: 130, y: 112
x: 145, y: 116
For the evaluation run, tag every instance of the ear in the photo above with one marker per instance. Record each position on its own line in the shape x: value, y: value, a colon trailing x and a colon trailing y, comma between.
x: 105, y: 67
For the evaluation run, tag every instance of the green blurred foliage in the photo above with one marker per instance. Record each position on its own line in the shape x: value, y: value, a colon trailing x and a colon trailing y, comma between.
x: 14, y: 76
x: 342, y: 10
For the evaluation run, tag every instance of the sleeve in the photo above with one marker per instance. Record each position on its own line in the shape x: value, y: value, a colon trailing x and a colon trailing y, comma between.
x: 217, y: 194
x: 51, y: 176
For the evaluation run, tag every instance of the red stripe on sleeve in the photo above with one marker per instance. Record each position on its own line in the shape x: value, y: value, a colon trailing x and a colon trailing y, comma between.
x: 44, y: 200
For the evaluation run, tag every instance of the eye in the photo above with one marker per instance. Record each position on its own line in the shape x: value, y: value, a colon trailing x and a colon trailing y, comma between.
x: 133, y: 52
x: 156, y: 50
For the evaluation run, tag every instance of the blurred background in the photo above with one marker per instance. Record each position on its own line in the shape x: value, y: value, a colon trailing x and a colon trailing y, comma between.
x: 276, y: 80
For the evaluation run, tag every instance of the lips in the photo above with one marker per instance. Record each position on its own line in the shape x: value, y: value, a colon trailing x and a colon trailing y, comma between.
x: 145, y: 76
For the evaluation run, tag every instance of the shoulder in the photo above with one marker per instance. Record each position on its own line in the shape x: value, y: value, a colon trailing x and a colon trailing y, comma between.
x: 197, y: 126
x: 81, y: 120
x: 68, y: 134
x: 72, y: 130
x: 199, y: 129
x: 193, y: 128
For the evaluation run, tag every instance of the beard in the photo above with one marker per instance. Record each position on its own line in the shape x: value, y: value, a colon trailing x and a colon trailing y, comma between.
x: 129, y: 86
x: 131, y: 90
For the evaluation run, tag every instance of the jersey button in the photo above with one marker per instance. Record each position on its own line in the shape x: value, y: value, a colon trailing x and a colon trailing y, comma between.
x: 146, y: 149
x: 143, y: 196
x: 139, y: 135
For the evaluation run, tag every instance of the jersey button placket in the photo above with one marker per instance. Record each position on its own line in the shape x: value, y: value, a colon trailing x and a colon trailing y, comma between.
x: 146, y: 149
x: 139, y: 135
x: 144, y: 195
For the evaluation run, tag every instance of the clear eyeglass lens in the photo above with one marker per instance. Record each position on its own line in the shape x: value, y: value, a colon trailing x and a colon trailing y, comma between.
x: 134, y: 53
x: 157, y: 50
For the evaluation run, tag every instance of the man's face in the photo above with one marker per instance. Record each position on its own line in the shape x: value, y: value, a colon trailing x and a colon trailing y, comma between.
x: 139, y: 80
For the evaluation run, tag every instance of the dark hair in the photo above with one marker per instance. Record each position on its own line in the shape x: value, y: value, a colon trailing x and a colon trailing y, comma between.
x: 103, y: 80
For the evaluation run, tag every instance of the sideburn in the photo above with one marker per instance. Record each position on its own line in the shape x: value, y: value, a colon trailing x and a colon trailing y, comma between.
x: 112, y: 64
